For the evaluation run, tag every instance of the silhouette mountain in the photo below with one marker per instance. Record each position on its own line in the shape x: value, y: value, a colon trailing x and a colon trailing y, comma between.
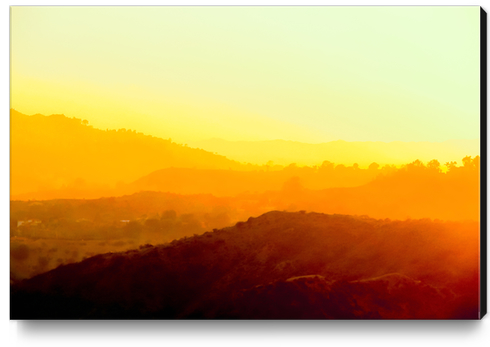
x: 279, y: 265
x: 55, y: 157
x: 50, y: 152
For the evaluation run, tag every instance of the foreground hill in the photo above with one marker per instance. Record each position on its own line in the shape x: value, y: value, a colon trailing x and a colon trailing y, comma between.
x: 49, y: 152
x: 355, y: 268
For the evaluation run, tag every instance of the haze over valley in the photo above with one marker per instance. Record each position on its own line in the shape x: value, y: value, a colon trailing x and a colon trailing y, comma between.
x: 245, y: 162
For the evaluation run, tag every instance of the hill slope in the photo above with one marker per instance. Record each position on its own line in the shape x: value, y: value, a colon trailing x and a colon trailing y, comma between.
x: 48, y: 152
x: 363, y: 268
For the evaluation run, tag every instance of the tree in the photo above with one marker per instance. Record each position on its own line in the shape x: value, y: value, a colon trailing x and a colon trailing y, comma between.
x: 434, y: 165
x: 373, y: 166
x: 467, y: 162
x: 326, y: 165
x: 291, y: 167
x: 388, y: 169
x: 476, y: 162
x: 416, y: 165
x: 451, y: 166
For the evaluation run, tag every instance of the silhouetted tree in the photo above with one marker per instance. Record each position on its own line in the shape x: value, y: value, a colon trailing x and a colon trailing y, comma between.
x: 373, y: 166
x: 451, y: 166
x: 476, y: 162
x: 326, y: 165
x: 467, y: 162
x: 434, y: 165
x: 340, y: 167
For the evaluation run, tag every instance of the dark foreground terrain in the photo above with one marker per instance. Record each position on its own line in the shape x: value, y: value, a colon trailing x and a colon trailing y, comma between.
x: 278, y: 266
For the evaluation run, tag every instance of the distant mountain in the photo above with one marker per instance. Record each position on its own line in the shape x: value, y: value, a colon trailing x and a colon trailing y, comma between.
x: 55, y: 157
x: 410, y: 192
x: 341, y: 152
x: 279, y: 265
x: 51, y: 152
x: 232, y: 182
x: 413, y: 191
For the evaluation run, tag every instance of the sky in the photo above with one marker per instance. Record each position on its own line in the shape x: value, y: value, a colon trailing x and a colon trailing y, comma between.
x: 309, y: 74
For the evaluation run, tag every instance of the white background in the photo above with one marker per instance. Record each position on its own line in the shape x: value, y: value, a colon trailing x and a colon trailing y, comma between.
x: 212, y: 333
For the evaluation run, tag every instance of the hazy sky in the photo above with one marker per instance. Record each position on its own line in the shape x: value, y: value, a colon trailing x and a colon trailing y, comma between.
x: 310, y: 74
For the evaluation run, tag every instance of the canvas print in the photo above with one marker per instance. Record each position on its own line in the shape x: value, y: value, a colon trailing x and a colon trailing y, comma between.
x: 246, y: 162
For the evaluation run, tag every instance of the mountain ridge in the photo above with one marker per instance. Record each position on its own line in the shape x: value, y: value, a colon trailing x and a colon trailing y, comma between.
x: 285, y: 152
x: 49, y: 152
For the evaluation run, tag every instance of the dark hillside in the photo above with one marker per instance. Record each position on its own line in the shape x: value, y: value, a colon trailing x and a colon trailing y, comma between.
x: 364, y: 268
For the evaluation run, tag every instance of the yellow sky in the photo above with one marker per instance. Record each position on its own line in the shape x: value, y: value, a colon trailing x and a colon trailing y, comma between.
x: 310, y: 74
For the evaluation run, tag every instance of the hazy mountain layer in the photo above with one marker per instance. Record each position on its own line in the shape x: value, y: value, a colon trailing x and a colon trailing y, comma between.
x: 59, y: 157
x: 50, y: 152
x: 413, y: 191
x: 45, y: 234
x: 363, y: 153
